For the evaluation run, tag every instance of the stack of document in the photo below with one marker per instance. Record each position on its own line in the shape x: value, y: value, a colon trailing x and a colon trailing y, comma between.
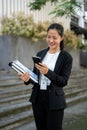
x: 20, y: 68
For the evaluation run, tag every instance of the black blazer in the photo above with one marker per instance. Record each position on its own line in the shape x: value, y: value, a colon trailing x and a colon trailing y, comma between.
x: 59, y: 78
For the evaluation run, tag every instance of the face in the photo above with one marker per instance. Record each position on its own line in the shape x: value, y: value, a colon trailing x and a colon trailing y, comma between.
x: 53, y: 39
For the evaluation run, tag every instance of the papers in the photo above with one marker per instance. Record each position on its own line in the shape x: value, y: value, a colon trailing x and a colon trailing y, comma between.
x: 20, y: 68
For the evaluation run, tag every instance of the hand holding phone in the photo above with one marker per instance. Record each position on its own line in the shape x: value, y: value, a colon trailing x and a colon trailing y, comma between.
x: 36, y: 59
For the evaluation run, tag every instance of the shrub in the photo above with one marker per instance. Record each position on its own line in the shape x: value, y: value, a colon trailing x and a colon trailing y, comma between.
x: 71, y: 40
x: 21, y: 25
x: 24, y: 26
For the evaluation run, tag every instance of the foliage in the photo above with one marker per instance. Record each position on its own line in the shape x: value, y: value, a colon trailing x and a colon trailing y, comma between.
x: 66, y: 7
x: 71, y: 40
x: 21, y: 25
x: 83, y: 46
x: 38, y: 4
x: 24, y: 26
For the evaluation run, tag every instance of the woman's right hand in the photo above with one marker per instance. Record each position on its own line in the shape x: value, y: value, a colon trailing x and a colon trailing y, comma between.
x: 25, y: 77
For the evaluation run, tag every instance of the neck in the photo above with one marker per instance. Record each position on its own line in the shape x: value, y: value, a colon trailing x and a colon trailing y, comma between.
x: 54, y: 50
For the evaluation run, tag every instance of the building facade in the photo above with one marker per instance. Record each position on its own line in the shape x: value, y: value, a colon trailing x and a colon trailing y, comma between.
x: 77, y: 23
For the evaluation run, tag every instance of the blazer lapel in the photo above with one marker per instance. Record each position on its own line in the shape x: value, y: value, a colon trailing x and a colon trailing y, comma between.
x: 59, y: 61
x: 44, y: 53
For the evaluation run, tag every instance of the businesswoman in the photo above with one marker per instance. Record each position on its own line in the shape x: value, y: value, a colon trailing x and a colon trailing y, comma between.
x: 47, y: 97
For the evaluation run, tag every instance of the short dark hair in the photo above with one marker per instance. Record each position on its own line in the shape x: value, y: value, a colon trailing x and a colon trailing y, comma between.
x: 60, y: 31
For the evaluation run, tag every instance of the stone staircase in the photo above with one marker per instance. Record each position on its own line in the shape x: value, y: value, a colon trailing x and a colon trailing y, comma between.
x: 15, y: 109
x: 76, y: 90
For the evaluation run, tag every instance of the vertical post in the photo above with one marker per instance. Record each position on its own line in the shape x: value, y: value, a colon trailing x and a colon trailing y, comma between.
x: 2, y: 8
x: 81, y: 20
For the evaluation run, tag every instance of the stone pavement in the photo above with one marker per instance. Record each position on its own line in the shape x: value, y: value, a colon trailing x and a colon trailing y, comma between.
x: 75, y: 118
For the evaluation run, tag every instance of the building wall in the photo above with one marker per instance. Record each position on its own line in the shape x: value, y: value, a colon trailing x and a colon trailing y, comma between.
x: 8, y: 7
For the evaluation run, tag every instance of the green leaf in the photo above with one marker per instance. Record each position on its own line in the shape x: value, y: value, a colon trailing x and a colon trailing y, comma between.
x: 66, y: 8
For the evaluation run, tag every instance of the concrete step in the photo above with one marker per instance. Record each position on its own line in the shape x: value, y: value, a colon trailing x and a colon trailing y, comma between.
x: 10, y: 84
x: 81, y: 70
x: 11, y: 121
x: 14, y: 100
x: 74, y: 88
x: 15, y: 115
x: 8, y: 77
x: 15, y: 91
x: 15, y: 109
x: 76, y: 96
x: 76, y: 100
x: 75, y: 93
x: 77, y: 79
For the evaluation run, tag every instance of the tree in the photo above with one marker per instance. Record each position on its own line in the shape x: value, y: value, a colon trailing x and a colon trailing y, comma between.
x: 65, y: 7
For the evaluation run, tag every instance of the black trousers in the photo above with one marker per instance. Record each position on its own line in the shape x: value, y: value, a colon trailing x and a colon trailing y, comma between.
x: 45, y: 118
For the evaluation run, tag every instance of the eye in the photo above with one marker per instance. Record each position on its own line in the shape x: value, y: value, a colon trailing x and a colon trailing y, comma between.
x: 48, y: 37
x: 54, y: 38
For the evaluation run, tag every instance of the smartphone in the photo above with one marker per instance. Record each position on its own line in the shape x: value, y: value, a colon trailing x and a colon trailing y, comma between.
x: 36, y: 59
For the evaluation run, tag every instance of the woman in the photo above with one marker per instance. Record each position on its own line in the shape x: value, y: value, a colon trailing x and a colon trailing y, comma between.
x: 48, y: 99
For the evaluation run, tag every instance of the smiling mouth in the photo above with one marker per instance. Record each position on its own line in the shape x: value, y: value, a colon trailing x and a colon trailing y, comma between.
x: 51, y: 44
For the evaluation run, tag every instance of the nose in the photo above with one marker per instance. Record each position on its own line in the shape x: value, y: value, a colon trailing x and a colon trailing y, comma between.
x: 51, y: 39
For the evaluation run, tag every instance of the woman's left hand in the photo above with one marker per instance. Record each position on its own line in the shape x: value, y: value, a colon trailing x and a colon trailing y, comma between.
x: 42, y: 68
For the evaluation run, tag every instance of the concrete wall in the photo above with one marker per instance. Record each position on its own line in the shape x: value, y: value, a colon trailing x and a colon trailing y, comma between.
x: 8, y: 47
x: 23, y: 49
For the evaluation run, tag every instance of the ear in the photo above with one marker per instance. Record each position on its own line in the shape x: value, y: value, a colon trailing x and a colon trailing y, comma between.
x: 62, y: 38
